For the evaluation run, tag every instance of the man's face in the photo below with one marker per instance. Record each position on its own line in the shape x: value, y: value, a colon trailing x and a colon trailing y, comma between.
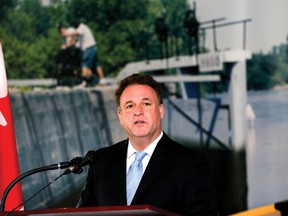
x: 140, y: 113
x: 63, y: 31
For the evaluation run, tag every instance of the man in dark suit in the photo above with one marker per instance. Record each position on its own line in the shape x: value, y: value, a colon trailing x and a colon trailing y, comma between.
x: 175, y: 178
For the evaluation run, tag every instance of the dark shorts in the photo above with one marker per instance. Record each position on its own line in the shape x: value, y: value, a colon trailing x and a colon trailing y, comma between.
x: 89, y: 58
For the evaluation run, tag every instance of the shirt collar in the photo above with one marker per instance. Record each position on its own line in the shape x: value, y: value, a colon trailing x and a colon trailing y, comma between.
x: 149, y: 150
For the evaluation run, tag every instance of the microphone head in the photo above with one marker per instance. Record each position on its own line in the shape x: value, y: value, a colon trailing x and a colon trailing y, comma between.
x: 90, y: 156
x: 76, y: 161
x: 77, y: 168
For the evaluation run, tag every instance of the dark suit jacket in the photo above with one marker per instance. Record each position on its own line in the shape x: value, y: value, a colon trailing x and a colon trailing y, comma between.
x: 176, y: 179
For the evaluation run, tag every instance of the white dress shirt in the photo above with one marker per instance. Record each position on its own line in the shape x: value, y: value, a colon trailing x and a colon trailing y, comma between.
x: 149, y: 150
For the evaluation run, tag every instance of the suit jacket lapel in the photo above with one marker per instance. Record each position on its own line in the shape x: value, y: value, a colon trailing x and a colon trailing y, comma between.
x: 154, y: 168
x: 118, y: 173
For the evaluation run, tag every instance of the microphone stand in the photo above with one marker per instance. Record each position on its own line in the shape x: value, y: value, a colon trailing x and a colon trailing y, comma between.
x: 61, y: 165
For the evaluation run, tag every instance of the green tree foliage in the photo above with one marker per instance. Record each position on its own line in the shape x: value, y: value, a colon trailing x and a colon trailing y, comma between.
x: 5, y: 6
x: 264, y: 71
x: 260, y: 72
x: 28, y: 47
x: 281, y: 75
x: 124, y: 31
x: 38, y: 14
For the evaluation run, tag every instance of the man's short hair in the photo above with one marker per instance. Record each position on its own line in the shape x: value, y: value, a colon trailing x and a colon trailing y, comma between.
x: 138, y: 79
x: 60, y: 26
x: 75, y: 22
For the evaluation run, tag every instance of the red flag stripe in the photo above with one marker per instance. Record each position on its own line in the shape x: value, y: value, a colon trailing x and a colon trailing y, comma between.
x: 9, y: 165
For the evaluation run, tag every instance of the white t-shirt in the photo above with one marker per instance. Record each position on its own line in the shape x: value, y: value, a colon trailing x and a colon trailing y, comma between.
x: 86, y: 38
x: 71, y: 39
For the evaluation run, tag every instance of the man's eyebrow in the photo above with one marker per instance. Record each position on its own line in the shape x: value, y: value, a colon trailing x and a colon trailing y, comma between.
x: 130, y: 101
x: 127, y: 102
x: 143, y: 99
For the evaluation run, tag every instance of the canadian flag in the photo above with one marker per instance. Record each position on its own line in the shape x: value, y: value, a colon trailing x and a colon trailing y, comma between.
x: 9, y: 165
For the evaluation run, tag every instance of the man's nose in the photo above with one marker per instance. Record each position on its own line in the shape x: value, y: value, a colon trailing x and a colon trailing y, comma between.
x: 138, y: 110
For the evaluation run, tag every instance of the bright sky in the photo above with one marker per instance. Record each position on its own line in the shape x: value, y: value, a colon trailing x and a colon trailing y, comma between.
x: 268, y: 28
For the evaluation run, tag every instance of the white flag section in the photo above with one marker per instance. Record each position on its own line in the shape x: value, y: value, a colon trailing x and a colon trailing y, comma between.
x: 9, y: 164
x: 3, y: 89
x: 3, y: 79
x: 3, y: 121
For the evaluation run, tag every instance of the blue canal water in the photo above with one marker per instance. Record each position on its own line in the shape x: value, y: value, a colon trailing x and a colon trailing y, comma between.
x: 267, y: 148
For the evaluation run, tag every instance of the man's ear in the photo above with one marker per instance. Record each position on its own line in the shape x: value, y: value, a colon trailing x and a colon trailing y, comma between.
x: 119, y: 116
x: 161, y: 109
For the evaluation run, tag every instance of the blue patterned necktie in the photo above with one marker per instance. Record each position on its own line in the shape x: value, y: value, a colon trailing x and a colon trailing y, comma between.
x: 134, y: 176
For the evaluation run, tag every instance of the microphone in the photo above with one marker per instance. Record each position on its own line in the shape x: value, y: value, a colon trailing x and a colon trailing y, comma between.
x: 63, y: 165
x: 60, y: 165
x: 77, y: 168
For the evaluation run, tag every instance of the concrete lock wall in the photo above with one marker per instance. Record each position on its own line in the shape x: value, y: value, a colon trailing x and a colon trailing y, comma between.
x: 57, y: 125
